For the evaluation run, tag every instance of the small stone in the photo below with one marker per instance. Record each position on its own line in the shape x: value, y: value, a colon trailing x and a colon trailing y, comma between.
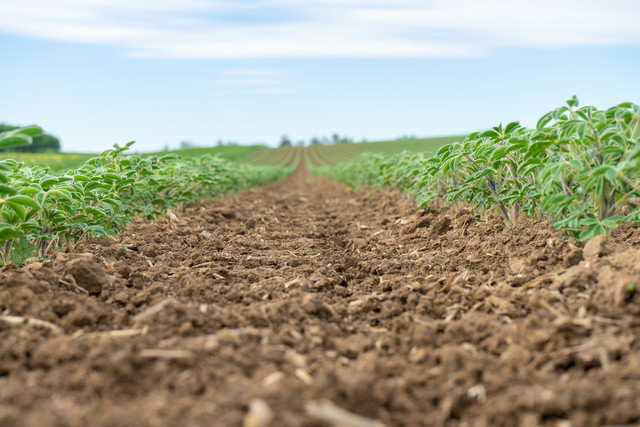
x: 259, y: 415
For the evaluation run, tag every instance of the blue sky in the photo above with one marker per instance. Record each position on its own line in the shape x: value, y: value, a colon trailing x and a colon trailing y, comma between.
x: 99, y: 72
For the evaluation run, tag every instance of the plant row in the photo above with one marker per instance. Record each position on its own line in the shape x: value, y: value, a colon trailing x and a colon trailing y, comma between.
x: 41, y: 213
x: 579, y: 169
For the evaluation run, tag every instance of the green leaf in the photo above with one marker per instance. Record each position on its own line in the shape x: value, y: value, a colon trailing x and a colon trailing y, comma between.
x: 18, y: 208
x: 604, y: 170
x: 63, y: 194
x: 12, y: 141
x: 5, y: 189
x: 490, y: 134
x: 573, y: 102
x: 49, y: 182
x: 592, y: 231
x: 612, y: 221
x: 112, y: 176
x: 30, y: 190
x: 95, y: 211
x: 7, y: 232
x: 24, y: 200
x: 511, y: 127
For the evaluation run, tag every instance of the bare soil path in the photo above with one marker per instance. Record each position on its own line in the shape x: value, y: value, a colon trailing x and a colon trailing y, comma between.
x: 299, y: 303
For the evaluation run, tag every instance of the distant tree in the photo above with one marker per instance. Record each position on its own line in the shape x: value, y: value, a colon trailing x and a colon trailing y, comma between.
x: 315, y: 141
x: 335, y: 138
x: 46, y: 143
x: 220, y: 143
x: 300, y: 143
x: 285, y: 141
x: 186, y: 144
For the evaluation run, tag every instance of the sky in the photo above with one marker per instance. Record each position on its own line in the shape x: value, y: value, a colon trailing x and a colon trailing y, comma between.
x: 100, y: 72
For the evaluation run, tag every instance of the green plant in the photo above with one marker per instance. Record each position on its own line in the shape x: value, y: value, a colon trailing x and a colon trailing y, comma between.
x: 41, y: 213
x: 578, y: 169
x: 19, y: 136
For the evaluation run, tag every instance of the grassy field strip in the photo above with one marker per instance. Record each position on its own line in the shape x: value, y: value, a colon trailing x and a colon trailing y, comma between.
x: 229, y: 152
x: 57, y: 162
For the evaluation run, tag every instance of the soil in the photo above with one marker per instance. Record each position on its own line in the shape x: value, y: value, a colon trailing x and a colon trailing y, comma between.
x: 300, y: 303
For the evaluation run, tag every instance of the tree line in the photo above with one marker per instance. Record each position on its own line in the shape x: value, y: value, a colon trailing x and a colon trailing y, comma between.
x: 285, y: 141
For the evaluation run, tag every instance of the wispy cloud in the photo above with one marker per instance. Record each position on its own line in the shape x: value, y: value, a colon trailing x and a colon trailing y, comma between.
x: 324, y: 28
x: 259, y: 81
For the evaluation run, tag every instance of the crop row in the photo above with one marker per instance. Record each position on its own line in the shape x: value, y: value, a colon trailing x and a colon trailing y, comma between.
x: 579, y: 168
x: 41, y: 213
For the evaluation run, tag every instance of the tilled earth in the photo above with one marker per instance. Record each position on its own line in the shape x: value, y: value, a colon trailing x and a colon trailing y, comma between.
x: 302, y: 304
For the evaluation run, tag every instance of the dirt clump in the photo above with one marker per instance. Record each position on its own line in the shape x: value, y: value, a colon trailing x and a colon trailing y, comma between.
x: 301, y: 303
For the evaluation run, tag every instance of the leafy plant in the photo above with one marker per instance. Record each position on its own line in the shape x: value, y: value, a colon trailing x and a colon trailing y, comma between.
x: 41, y: 213
x: 19, y: 136
x: 579, y: 168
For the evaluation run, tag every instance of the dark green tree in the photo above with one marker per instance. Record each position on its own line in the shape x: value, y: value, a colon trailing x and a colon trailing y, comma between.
x: 285, y: 141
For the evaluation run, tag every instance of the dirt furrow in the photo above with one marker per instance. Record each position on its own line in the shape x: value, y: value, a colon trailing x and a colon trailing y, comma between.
x: 298, y: 301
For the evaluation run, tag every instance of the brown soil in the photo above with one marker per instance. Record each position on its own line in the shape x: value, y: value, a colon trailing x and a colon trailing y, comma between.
x: 299, y: 304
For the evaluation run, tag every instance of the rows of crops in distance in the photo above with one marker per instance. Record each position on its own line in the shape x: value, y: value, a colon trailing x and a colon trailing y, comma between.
x: 322, y: 155
x: 579, y: 169
x: 266, y: 156
x: 292, y: 159
x: 338, y: 153
x: 315, y: 160
x: 41, y: 213
x: 230, y: 152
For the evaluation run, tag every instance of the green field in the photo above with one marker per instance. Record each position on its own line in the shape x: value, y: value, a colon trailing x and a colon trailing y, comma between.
x: 250, y: 154
x: 229, y: 152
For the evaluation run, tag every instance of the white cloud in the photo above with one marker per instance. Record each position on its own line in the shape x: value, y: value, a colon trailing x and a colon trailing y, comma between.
x: 260, y: 81
x: 324, y: 28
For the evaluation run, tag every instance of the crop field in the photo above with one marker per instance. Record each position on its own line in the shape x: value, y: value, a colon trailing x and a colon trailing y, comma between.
x: 324, y: 155
x: 488, y: 280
